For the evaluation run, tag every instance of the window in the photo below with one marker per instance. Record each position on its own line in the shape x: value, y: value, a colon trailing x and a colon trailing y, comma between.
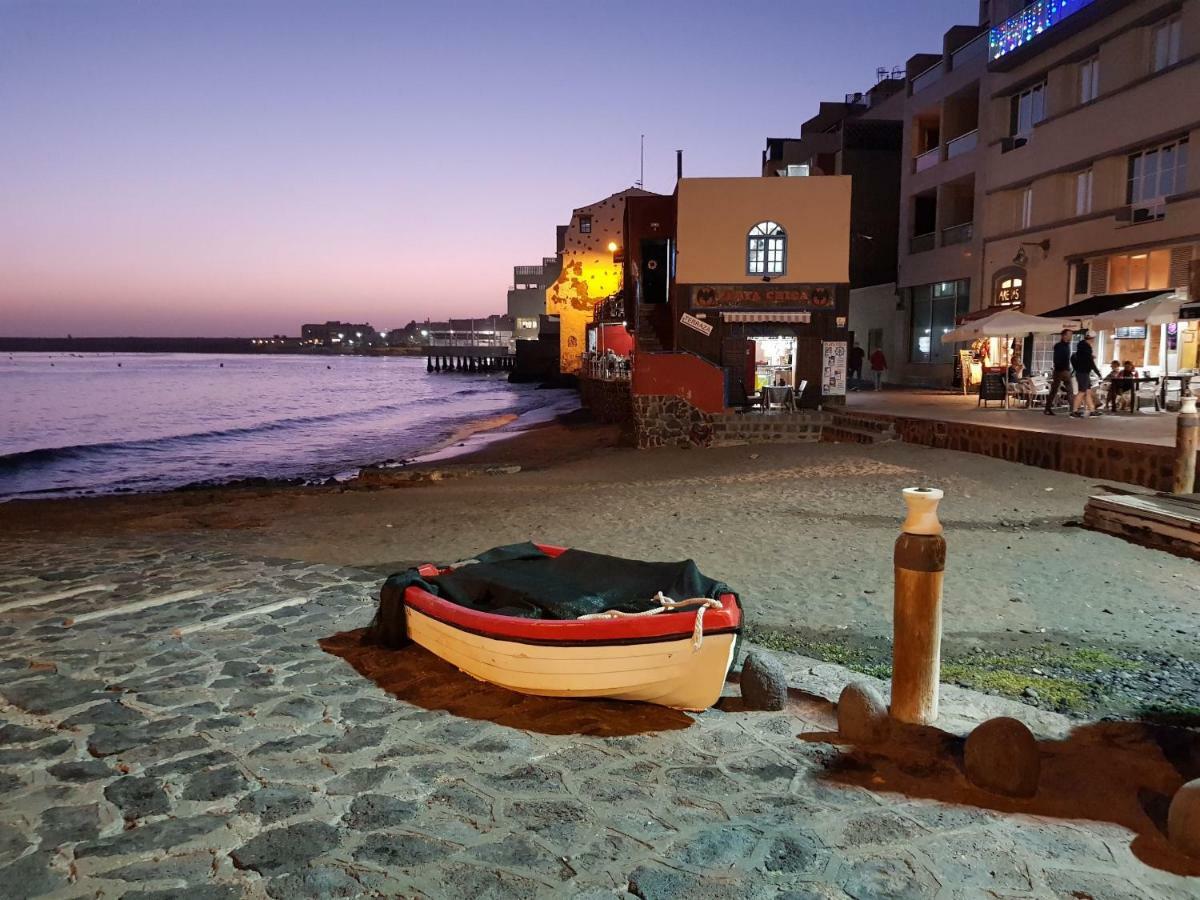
x: 935, y: 309
x: 585, y: 224
x: 1149, y: 271
x: 794, y: 171
x: 1010, y: 291
x: 1089, y: 80
x: 1154, y: 175
x: 1166, y: 43
x: 1083, y: 193
x: 1025, y: 214
x: 1083, y: 278
x: 766, y: 249
x: 1027, y: 109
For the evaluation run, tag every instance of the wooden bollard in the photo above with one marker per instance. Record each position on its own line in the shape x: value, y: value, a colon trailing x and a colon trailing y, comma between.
x: 920, y: 561
x: 1186, y: 428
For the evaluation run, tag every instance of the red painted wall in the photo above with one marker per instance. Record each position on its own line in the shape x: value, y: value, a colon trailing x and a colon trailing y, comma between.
x: 680, y: 375
x: 614, y: 338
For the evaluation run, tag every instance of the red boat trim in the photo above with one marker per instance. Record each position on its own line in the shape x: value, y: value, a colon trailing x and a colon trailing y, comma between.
x: 640, y: 629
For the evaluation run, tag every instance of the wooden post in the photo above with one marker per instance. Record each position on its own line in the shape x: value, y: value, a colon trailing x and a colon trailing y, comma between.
x: 920, y: 560
x: 1186, y: 428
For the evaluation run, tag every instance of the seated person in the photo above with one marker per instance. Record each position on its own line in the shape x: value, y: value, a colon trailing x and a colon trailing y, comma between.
x: 1023, y: 385
x: 1120, y: 381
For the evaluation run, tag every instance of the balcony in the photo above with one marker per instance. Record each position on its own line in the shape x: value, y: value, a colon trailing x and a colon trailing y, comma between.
x: 958, y: 234
x: 972, y: 50
x: 964, y: 143
x: 921, y: 243
x: 927, y: 160
x: 928, y: 78
x: 1030, y: 24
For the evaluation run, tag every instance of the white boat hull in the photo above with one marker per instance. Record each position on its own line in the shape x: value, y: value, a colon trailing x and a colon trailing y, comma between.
x: 668, y: 672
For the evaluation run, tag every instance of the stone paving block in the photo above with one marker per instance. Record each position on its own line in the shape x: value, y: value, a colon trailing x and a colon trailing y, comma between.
x: 215, y: 784
x: 795, y: 851
x: 68, y: 824
x: 276, y: 803
x: 320, y: 882
x: 286, y: 849
x: 31, y: 876
x: 402, y: 850
x: 369, y: 812
x: 152, y: 836
x: 896, y: 876
x: 13, y: 842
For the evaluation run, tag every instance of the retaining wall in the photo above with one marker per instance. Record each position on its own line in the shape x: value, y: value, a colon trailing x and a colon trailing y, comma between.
x: 608, y: 401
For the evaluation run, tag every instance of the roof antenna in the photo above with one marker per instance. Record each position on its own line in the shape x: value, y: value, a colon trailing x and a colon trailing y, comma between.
x: 678, y: 165
x: 641, y: 182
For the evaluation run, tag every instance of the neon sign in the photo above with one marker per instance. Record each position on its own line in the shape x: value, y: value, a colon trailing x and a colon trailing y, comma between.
x: 1029, y: 23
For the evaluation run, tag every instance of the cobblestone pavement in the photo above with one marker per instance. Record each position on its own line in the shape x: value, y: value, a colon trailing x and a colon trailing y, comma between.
x: 186, y: 723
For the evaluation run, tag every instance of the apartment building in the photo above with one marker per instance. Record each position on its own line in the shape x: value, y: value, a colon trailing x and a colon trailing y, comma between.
x: 941, y: 193
x: 527, y: 295
x: 1091, y: 110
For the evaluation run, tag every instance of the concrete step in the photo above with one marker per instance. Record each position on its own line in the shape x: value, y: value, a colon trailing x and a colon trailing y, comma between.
x: 861, y: 422
x: 848, y: 434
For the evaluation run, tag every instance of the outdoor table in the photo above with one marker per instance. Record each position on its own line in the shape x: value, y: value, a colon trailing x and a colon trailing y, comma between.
x: 1135, y: 403
x: 781, y: 395
x: 1185, y: 382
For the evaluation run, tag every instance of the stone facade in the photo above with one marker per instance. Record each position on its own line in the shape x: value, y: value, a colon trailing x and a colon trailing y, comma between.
x: 607, y: 401
x: 662, y: 421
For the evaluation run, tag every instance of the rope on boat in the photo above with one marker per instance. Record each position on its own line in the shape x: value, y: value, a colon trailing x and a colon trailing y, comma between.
x: 666, y: 603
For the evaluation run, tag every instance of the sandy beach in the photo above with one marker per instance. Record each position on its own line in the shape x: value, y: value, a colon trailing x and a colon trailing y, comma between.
x: 1036, y: 607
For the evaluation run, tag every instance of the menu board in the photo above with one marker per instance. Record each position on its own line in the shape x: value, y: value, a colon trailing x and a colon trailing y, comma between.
x: 994, y: 385
x: 833, y: 368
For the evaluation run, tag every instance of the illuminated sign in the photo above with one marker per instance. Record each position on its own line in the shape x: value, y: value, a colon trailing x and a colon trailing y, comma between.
x: 1030, y: 22
x: 753, y: 296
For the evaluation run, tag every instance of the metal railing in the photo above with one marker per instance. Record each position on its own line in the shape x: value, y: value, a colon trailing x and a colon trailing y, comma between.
x: 927, y: 160
x: 958, y: 234
x: 919, y: 243
x: 929, y: 77
x: 605, y: 368
x: 964, y: 143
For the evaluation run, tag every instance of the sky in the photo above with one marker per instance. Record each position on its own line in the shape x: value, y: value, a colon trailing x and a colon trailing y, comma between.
x: 218, y: 168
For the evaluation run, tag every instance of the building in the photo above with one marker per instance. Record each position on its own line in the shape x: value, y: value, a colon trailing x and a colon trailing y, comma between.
x: 342, y: 336
x: 749, y: 277
x: 941, y: 194
x: 1091, y: 110
x: 527, y: 295
x: 591, y: 271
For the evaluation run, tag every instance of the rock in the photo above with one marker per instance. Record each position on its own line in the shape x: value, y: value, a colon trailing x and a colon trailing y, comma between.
x: 138, y: 796
x: 87, y: 770
x: 68, y: 824
x: 764, y: 683
x: 215, y: 784
x: 862, y: 715
x: 1030, y: 693
x: 284, y: 850
x: 156, y: 836
x: 1183, y: 819
x: 1001, y: 756
x: 371, y: 811
x: 271, y: 804
x: 31, y: 876
x: 320, y: 882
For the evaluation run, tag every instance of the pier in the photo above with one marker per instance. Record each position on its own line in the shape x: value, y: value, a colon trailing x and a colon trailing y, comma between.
x: 469, y: 358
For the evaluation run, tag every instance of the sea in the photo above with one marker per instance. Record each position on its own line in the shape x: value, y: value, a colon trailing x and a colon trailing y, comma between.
x: 79, y: 424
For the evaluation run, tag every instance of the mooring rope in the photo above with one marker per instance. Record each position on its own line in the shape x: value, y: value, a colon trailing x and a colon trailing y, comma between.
x: 666, y: 603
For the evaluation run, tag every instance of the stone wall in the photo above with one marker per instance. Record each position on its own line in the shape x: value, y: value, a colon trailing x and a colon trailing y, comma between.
x: 1142, y: 464
x: 608, y: 401
x: 662, y: 421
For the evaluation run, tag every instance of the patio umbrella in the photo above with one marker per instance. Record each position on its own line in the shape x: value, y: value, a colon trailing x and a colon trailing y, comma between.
x: 1004, y: 323
x: 1161, y: 310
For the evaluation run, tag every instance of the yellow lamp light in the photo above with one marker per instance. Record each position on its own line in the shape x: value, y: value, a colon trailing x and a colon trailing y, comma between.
x: 612, y: 246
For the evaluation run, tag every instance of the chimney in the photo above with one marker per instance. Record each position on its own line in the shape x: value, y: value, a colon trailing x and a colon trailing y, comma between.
x: 678, y: 165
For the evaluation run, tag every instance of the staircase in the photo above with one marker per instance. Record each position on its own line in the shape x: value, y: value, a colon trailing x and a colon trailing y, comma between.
x: 647, y: 338
x: 858, y: 428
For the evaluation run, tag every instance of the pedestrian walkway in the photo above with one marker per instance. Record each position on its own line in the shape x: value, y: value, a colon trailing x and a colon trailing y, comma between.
x: 184, y: 723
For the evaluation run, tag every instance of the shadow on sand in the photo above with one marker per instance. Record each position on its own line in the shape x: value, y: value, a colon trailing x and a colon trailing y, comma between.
x: 416, y: 676
x: 1119, y: 772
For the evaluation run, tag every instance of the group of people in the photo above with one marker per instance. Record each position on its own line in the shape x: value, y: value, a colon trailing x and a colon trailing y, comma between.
x: 854, y: 369
x: 1079, y: 362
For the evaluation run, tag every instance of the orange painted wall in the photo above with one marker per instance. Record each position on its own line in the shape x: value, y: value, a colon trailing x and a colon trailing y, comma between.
x: 683, y: 375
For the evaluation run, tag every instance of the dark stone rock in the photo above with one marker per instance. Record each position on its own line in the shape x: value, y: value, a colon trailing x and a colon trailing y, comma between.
x: 272, y: 804
x: 402, y: 850
x: 19, y: 734
x: 31, y: 876
x: 528, y: 779
x: 319, y: 883
x: 76, y: 772
x: 1183, y: 820
x: 764, y: 682
x: 190, y: 764
x: 462, y: 801
x: 720, y: 847
x: 373, y: 811
x: 286, y: 849
x: 68, y: 824
x: 155, y: 836
x: 358, y: 780
x: 108, y: 740
x: 795, y: 852
x: 237, y: 667
x: 111, y: 713
x: 215, y: 784
x: 13, y: 842
x: 19, y: 755
x: 893, y: 878
x: 50, y: 693
x: 194, y: 892
x: 655, y: 883
x: 8, y: 783
x: 137, y: 797
x: 193, y: 867
x: 303, y: 708
x: 356, y: 739
x: 862, y: 715
x: 1001, y: 756
x: 286, y: 745
x: 368, y: 709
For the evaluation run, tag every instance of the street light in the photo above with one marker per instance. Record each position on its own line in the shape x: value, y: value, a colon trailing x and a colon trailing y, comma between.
x: 612, y: 246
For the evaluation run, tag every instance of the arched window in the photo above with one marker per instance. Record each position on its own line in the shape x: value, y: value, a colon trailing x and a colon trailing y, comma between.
x: 766, y: 249
x: 1008, y: 287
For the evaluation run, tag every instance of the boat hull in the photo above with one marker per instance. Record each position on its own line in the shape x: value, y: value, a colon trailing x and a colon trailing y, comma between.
x: 667, y: 669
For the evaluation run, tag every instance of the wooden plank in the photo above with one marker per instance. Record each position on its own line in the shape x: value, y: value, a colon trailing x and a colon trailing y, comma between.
x: 1149, y: 508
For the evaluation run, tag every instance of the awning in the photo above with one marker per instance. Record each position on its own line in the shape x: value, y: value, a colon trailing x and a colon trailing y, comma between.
x: 1101, y: 303
x: 796, y: 318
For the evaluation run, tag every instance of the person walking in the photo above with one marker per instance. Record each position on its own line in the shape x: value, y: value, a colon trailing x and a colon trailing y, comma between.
x: 878, y: 367
x: 1084, y: 363
x: 1062, y: 369
x: 857, y: 354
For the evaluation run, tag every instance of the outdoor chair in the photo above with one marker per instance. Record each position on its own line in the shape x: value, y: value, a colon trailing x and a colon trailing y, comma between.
x: 1148, y: 390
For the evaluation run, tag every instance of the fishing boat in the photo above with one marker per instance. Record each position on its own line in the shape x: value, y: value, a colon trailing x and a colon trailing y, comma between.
x: 545, y: 620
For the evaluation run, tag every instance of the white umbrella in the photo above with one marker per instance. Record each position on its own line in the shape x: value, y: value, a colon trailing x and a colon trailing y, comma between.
x: 1004, y: 323
x: 1161, y: 310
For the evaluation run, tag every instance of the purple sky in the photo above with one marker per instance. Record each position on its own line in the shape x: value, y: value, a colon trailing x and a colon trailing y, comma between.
x: 238, y: 168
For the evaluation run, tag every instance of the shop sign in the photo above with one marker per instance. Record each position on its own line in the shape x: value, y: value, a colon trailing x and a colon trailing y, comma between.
x: 833, y: 368
x: 695, y: 324
x: 763, y: 296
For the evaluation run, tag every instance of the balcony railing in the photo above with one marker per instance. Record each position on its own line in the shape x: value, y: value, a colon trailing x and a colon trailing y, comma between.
x: 974, y: 49
x: 928, y: 159
x: 919, y: 243
x: 964, y: 143
x: 1031, y: 23
x: 605, y: 368
x: 958, y: 234
x: 929, y: 77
